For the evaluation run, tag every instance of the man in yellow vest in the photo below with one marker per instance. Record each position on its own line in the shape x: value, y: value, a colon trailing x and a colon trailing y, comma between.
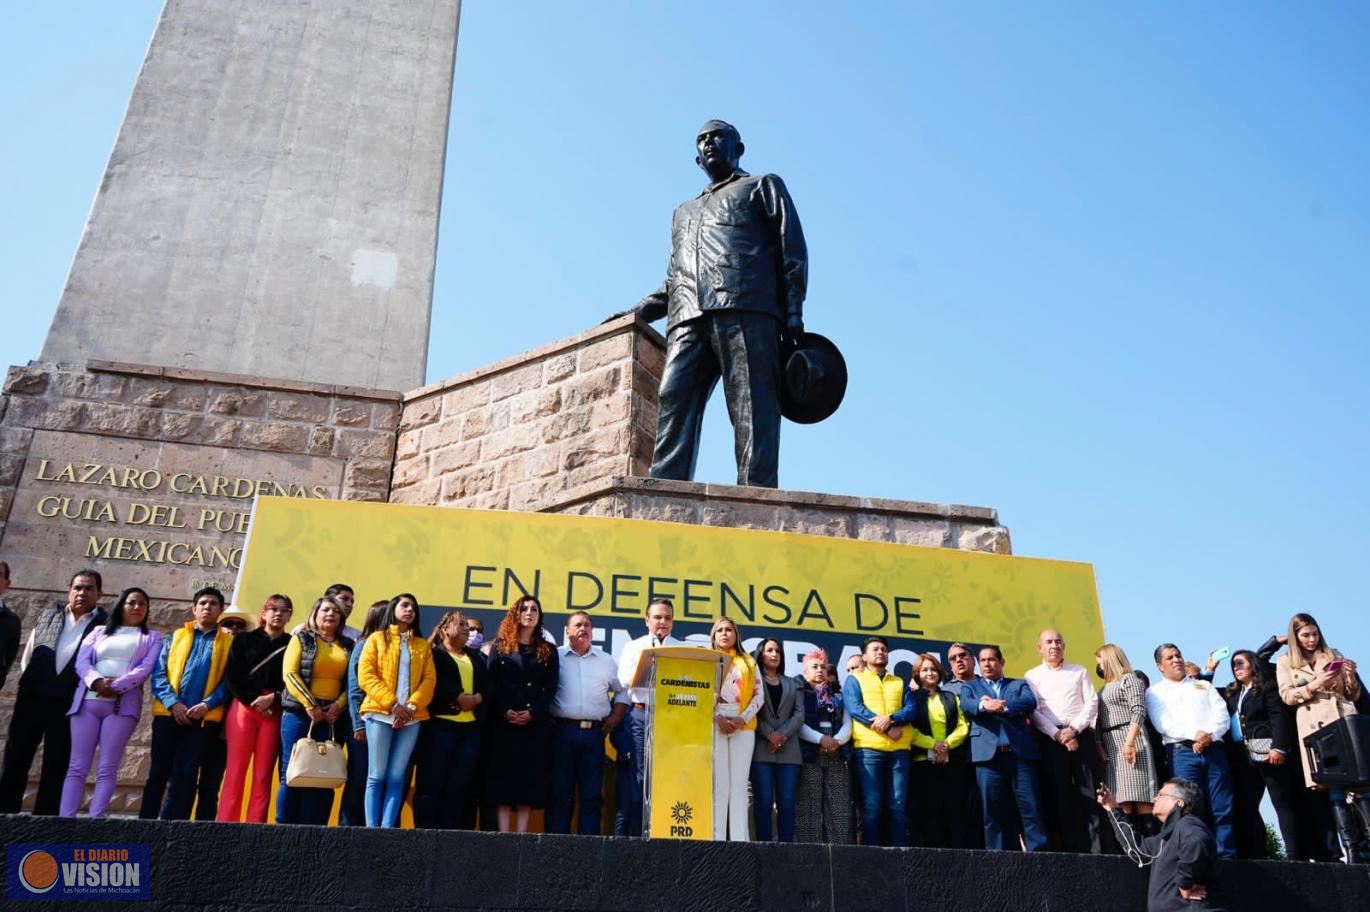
x: 190, y: 695
x: 881, y: 708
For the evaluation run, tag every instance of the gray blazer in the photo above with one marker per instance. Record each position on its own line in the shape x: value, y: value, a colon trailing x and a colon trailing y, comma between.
x: 787, y: 718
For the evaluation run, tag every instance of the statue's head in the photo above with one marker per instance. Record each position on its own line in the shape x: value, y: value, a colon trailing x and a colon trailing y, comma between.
x: 718, y: 148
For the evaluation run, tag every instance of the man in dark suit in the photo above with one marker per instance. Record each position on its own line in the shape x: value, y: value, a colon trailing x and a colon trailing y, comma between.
x: 1004, y: 751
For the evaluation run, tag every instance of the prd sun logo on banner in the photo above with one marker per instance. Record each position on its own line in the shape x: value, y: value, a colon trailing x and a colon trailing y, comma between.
x: 77, y: 872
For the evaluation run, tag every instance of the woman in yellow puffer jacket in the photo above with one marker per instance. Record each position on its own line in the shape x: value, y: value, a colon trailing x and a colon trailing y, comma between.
x: 397, y: 676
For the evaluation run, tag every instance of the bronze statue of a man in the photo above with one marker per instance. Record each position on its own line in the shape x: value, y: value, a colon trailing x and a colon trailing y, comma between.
x: 734, y: 287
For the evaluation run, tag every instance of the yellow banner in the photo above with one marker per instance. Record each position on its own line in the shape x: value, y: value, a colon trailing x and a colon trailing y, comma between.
x: 805, y: 589
x: 680, y: 756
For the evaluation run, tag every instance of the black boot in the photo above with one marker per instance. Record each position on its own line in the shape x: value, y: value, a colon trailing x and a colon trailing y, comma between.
x: 1360, y: 805
x: 1352, y: 830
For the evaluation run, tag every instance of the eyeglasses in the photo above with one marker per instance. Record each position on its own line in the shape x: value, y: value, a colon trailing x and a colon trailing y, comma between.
x: 958, y: 656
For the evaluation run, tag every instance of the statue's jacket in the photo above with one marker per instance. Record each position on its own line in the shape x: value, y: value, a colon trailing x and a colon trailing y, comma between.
x: 736, y: 246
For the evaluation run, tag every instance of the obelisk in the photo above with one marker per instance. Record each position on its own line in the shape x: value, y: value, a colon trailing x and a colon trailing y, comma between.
x: 270, y: 207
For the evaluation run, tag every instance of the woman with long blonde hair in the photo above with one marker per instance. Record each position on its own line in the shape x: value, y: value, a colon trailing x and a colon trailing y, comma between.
x: 738, y: 702
x: 1130, y: 768
x: 1322, y: 684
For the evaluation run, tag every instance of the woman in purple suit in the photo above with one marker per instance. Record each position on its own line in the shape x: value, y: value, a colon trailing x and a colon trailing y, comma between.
x: 112, y: 666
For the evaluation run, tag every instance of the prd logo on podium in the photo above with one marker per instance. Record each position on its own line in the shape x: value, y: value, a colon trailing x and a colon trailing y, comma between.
x: 681, y: 815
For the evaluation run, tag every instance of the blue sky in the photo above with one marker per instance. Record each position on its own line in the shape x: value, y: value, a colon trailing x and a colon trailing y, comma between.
x: 1094, y: 266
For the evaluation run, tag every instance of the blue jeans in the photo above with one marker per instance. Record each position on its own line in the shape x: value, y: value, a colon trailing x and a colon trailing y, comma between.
x: 884, y: 796
x: 775, y: 784
x: 300, y: 805
x: 1011, y: 796
x: 176, y: 751
x: 388, y: 750
x: 1209, y: 771
x: 577, y: 769
x: 449, y: 754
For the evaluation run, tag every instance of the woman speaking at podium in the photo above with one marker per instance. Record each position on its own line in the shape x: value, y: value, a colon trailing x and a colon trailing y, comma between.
x: 739, y: 700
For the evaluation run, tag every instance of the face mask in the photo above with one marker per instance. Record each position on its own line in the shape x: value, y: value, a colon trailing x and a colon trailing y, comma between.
x: 475, y: 639
x: 1099, y: 670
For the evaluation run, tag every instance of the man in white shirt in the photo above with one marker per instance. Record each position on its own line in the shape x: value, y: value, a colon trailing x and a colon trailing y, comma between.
x: 1067, y: 708
x: 660, y: 619
x: 1192, y: 718
x: 589, y: 704
x: 47, y: 684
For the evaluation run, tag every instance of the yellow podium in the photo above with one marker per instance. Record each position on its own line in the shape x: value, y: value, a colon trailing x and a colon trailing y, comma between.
x: 678, y: 762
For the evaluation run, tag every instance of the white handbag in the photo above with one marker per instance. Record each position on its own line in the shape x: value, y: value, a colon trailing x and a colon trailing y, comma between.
x: 316, y: 764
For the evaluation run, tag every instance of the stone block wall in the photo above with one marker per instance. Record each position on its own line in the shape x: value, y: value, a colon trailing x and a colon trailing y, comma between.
x: 903, y: 522
x: 521, y: 431
x: 328, y: 440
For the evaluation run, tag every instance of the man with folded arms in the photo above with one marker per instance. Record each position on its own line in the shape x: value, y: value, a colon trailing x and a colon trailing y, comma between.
x: 881, y: 709
x: 1004, y: 751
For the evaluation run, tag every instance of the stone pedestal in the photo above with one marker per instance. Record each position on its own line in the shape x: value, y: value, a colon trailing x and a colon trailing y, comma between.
x: 569, y: 428
x: 524, y: 430
x: 903, y: 522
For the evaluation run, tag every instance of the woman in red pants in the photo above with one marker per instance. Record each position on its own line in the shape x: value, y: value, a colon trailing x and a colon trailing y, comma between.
x: 253, y: 726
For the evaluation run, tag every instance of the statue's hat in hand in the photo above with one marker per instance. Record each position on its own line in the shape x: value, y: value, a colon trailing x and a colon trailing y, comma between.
x: 814, y: 379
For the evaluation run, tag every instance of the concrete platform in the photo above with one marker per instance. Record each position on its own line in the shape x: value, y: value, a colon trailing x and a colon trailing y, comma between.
x: 208, y: 866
